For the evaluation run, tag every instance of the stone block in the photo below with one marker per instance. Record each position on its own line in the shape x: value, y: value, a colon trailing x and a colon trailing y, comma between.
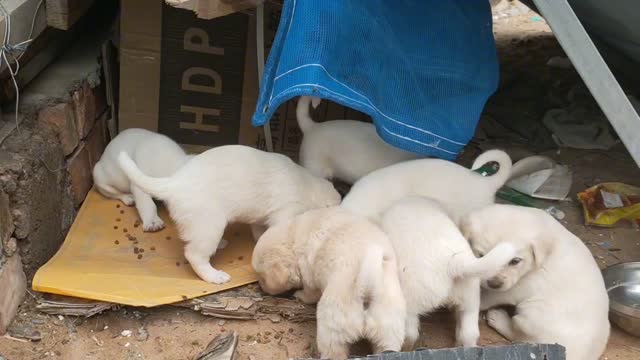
x: 6, y: 220
x: 79, y: 167
x: 13, y: 283
x: 62, y: 119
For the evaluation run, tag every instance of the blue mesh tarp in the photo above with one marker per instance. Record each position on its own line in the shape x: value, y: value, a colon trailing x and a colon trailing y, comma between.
x: 422, y: 69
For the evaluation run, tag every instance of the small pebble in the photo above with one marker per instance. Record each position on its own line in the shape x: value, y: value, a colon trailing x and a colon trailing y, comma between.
x: 126, y: 333
x: 221, y: 323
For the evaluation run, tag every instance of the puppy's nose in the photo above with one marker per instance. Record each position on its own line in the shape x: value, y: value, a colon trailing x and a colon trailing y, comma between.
x: 495, y: 283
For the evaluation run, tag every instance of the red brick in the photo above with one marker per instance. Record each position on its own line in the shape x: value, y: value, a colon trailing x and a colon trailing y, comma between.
x: 79, y: 167
x: 84, y: 103
x: 100, y: 95
x: 97, y: 140
x: 61, y: 117
x: 13, y: 283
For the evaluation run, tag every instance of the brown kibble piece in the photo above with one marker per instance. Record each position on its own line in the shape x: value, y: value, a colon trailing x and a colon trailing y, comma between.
x: 124, y: 230
x: 121, y: 211
x: 153, y: 248
x: 137, y: 223
x: 141, y: 250
x: 118, y: 205
x: 177, y: 263
x: 139, y: 256
x: 116, y: 242
x: 184, y: 297
x: 136, y: 250
x: 240, y: 257
x: 115, y: 227
x: 168, y: 238
x: 117, y: 219
x: 135, y: 242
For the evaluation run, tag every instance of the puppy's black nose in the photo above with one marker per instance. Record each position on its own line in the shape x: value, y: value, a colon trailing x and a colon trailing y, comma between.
x: 495, y: 283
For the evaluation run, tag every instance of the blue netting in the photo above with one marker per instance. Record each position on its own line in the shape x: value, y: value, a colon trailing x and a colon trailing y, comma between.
x: 422, y: 69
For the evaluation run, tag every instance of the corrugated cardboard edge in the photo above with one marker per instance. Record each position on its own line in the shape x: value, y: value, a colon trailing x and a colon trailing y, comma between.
x: 210, y: 9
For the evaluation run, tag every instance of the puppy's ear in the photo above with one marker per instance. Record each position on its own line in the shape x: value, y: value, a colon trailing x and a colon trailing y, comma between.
x: 541, y: 247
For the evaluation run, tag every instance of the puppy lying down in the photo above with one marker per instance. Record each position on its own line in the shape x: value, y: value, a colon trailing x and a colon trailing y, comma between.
x: 343, y: 149
x: 554, y: 283
x: 457, y: 188
x: 155, y: 155
x: 230, y: 184
x: 347, y: 265
x: 437, y: 267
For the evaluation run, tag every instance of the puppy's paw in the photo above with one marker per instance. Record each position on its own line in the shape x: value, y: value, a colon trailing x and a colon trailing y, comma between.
x: 154, y: 225
x: 468, y: 337
x: 306, y: 297
x: 218, y: 277
x: 127, y: 199
x: 222, y: 244
x: 498, y: 319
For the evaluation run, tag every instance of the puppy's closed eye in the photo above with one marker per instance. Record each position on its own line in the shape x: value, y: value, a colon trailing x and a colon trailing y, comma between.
x: 515, y: 261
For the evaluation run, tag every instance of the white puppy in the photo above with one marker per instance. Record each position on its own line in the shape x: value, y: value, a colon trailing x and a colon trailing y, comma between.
x: 554, y: 283
x: 229, y: 184
x: 347, y: 265
x: 343, y: 149
x: 457, y: 188
x: 155, y: 155
x: 437, y: 266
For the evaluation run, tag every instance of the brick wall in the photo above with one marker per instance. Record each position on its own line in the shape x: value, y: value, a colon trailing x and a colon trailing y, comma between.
x: 45, y: 174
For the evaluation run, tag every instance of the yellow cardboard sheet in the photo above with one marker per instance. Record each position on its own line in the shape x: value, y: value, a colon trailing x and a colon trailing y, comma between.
x: 97, y: 260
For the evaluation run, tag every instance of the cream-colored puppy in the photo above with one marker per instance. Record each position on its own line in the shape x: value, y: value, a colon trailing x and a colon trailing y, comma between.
x: 347, y: 265
x: 343, y: 149
x: 554, y: 283
x: 155, y: 154
x: 457, y: 188
x: 437, y: 266
x: 230, y: 184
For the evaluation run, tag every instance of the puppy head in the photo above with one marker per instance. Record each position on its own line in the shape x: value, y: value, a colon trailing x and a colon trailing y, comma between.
x: 274, y: 261
x: 527, y: 230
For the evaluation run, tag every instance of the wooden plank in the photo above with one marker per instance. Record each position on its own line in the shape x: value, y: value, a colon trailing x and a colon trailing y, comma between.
x: 594, y: 71
x: 62, y: 14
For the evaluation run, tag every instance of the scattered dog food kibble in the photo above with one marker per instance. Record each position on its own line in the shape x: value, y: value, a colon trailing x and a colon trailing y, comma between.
x: 139, y: 256
x: 115, y: 227
x: 141, y: 250
x: 124, y: 230
x: 118, y: 219
x: 240, y: 257
x: 153, y: 248
x: 118, y: 206
x: 177, y: 263
x: 184, y: 297
x: 137, y: 223
x: 116, y: 242
x: 121, y: 211
x: 168, y: 237
x: 136, y: 250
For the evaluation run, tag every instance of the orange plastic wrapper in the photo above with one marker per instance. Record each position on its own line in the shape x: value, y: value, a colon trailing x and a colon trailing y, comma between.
x: 611, y: 204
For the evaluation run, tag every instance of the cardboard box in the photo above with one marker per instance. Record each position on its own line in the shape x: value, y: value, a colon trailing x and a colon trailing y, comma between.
x: 196, y: 80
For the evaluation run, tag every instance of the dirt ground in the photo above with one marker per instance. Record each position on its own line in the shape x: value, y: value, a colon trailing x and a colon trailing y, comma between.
x: 525, y: 44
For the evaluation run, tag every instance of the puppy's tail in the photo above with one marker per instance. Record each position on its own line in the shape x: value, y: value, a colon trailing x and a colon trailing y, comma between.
x: 504, y: 163
x: 463, y: 265
x: 371, y: 271
x: 156, y: 187
x: 305, y: 122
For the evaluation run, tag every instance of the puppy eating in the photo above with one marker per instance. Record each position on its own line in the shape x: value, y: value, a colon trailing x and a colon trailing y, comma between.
x: 345, y: 150
x: 155, y: 155
x: 437, y: 267
x: 229, y: 184
x: 553, y: 282
x: 457, y: 188
x: 347, y: 265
